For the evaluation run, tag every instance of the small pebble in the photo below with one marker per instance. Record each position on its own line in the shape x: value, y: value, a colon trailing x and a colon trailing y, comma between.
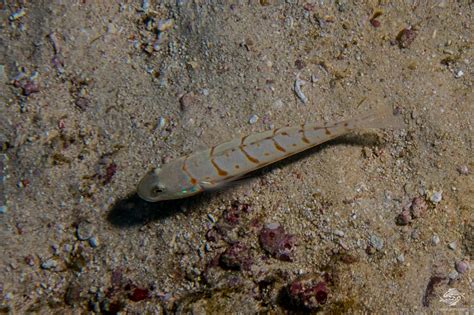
x: 435, y: 240
x: 30, y: 87
x: 18, y: 14
x: 436, y: 197
x: 82, y: 103
x: 406, y: 37
x: 463, y: 170
x: 93, y: 242
x: 49, y: 264
x: 338, y: 233
x: 415, y: 234
x: 401, y: 258
x: 84, y: 230
x: 161, y: 123
x: 452, y: 245
x: 278, y: 104
x: 9, y: 296
x: 145, y: 5
x: 299, y: 64
x: 459, y: 74
x: 211, y: 218
x: 375, y: 23
x: 453, y: 275
x: 164, y: 25
x: 29, y: 260
x: 376, y: 242
x: 404, y: 218
x: 187, y: 100
x: 418, y: 207
x: 289, y: 22
x: 462, y: 266
x: 253, y: 119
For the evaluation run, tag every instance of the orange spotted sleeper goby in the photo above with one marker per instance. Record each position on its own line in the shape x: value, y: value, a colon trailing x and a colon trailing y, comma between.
x: 211, y: 168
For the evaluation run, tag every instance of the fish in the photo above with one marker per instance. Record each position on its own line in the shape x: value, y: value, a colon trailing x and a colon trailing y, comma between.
x: 214, y: 167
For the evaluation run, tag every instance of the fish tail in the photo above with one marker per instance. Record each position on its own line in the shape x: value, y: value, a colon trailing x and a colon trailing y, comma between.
x: 379, y: 118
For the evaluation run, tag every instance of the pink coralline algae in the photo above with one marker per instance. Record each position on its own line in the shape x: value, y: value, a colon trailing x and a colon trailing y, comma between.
x: 308, y: 292
x: 233, y: 214
x: 276, y: 242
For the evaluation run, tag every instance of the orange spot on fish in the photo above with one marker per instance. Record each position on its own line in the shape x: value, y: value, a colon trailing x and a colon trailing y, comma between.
x: 248, y: 156
x: 220, y: 171
x: 303, y: 137
x: 278, y: 146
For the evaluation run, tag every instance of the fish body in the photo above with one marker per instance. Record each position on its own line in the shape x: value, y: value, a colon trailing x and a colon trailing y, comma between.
x: 211, y: 168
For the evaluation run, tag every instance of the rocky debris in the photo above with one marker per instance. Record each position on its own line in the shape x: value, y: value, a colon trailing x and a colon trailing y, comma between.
x: 418, y: 207
x: 413, y: 210
x: 430, y: 288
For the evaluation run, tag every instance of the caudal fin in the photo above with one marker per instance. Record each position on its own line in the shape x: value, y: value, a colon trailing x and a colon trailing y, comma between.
x: 382, y: 117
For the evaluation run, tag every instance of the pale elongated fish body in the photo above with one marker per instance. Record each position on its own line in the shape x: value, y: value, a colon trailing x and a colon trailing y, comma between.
x: 212, y: 168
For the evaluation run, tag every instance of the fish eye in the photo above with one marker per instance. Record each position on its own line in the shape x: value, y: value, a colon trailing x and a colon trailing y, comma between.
x: 157, y: 190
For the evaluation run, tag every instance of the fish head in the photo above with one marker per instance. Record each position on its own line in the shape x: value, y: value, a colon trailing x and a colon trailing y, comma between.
x: 158, y: 185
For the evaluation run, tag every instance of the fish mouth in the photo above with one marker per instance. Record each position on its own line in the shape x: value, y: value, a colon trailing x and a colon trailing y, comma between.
x: 145, y: 189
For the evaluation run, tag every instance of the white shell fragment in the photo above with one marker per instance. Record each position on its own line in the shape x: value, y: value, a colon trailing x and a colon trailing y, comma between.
x: 298, y: 91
